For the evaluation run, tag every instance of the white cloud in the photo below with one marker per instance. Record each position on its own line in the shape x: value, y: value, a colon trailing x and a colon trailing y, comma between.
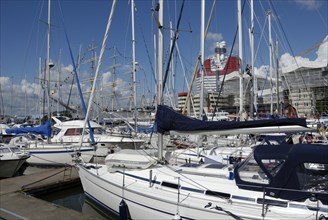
x: 262, y: 71
x: 5, y: 83
x: 210, y: 43
x: 214, y: 37
x: 289, y: 62
x: 309, y: 4
x: 322, y: 52
x: 106, y: 78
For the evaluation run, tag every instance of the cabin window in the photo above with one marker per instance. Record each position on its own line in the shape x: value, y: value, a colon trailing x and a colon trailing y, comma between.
x: 243, y: 198
x: 4, y: 150
x: 217, y: 194
x: 273, y: 165
x: 191, y: 165
x: 73, y: 131
x: 250, y: 171
x: 170, y: 185
x: 55, y: 131
x: 216, y: 166
x: 97, y: 131
x: 272, y: 202
x: 313, y: 176
x: 15, y: 149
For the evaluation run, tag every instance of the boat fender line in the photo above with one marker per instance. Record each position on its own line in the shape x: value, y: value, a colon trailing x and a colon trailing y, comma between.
x: 229, y: 213
x: 124, y: 211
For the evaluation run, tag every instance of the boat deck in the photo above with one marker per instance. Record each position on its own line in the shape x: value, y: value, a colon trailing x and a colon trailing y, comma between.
x: 16, y: 201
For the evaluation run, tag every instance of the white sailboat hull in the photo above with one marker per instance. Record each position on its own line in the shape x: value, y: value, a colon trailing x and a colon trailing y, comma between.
x: 160, y: 202
x: 142, y: 202
x: 9, y: 168
x: 56, y: 155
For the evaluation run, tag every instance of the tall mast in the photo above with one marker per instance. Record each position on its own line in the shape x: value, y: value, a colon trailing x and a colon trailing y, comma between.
x: 202, y: 32
x: 40, y: 94
x: 172, y: 84
x: 241, y: 79
x: 270, y: 66
x: 134, y: 66
x: 12, y: 92
x: 254, y: 87
x: 25, y: 105
x: 48, y: 64
x: 114, y: 81
x: 59, y: 83
x: 160, y: 71
x: 277, y: 79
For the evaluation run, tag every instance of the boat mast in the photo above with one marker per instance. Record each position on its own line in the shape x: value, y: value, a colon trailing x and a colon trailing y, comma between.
x: 172, y: 84
x: 99, y: 62
x: 113, y: 94
x: 160, y: 72
x: 202, y: 37
x: 40, y: 85
x: 48, y: 64
x: 270, y: 66
x: 134, y: 66
x: 25, y: 103
x: 277, y: 79
x: 59, y: 83
x: 241, y: 79
x: 254, y: 86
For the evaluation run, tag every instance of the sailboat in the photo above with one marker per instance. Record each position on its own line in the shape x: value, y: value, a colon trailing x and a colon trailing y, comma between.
x: 135, y: 186
x: 47, y: 154
x: 153, y: 190
x: 44, y: 152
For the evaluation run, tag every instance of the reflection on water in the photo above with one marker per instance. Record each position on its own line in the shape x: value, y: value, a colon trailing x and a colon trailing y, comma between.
x: 72, y: 198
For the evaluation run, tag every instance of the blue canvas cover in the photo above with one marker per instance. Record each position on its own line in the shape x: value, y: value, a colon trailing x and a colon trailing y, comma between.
x: 42, y: 129
x: 294, y: 178
x: 168, y: 119
x: 145, y: 130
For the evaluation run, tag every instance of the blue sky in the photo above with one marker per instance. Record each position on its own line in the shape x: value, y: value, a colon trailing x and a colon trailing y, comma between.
x: 23, y: 38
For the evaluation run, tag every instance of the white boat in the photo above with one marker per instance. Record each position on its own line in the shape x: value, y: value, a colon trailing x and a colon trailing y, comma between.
x: 161, y: 191
x: 71, y: 132
x: 207, y: 191
x: 11, y: 160
x: 52, y: 154
x: 43, y: 153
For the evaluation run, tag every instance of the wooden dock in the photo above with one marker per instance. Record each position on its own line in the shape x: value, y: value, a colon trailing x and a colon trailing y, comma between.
x: 16, y: 201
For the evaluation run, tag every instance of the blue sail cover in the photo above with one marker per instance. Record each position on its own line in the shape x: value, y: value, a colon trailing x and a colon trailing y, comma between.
x: 145, y: 130
x: 168, y: 119
x: 42, y: 129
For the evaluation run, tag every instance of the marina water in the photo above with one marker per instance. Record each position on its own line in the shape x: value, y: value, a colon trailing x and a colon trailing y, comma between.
x: 72, y: 198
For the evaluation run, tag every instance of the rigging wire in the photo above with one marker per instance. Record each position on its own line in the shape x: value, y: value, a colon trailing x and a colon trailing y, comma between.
x: 37, y: 35
x: 323, y: 20
x: 290, y: 48
x: 226, y: 66
x: 197, y: 60
x: 145, y: 44
x: 77, y: 78
x: 173, y: 45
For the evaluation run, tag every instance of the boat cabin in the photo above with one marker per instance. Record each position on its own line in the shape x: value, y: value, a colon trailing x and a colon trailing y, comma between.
x: 288, y: 171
